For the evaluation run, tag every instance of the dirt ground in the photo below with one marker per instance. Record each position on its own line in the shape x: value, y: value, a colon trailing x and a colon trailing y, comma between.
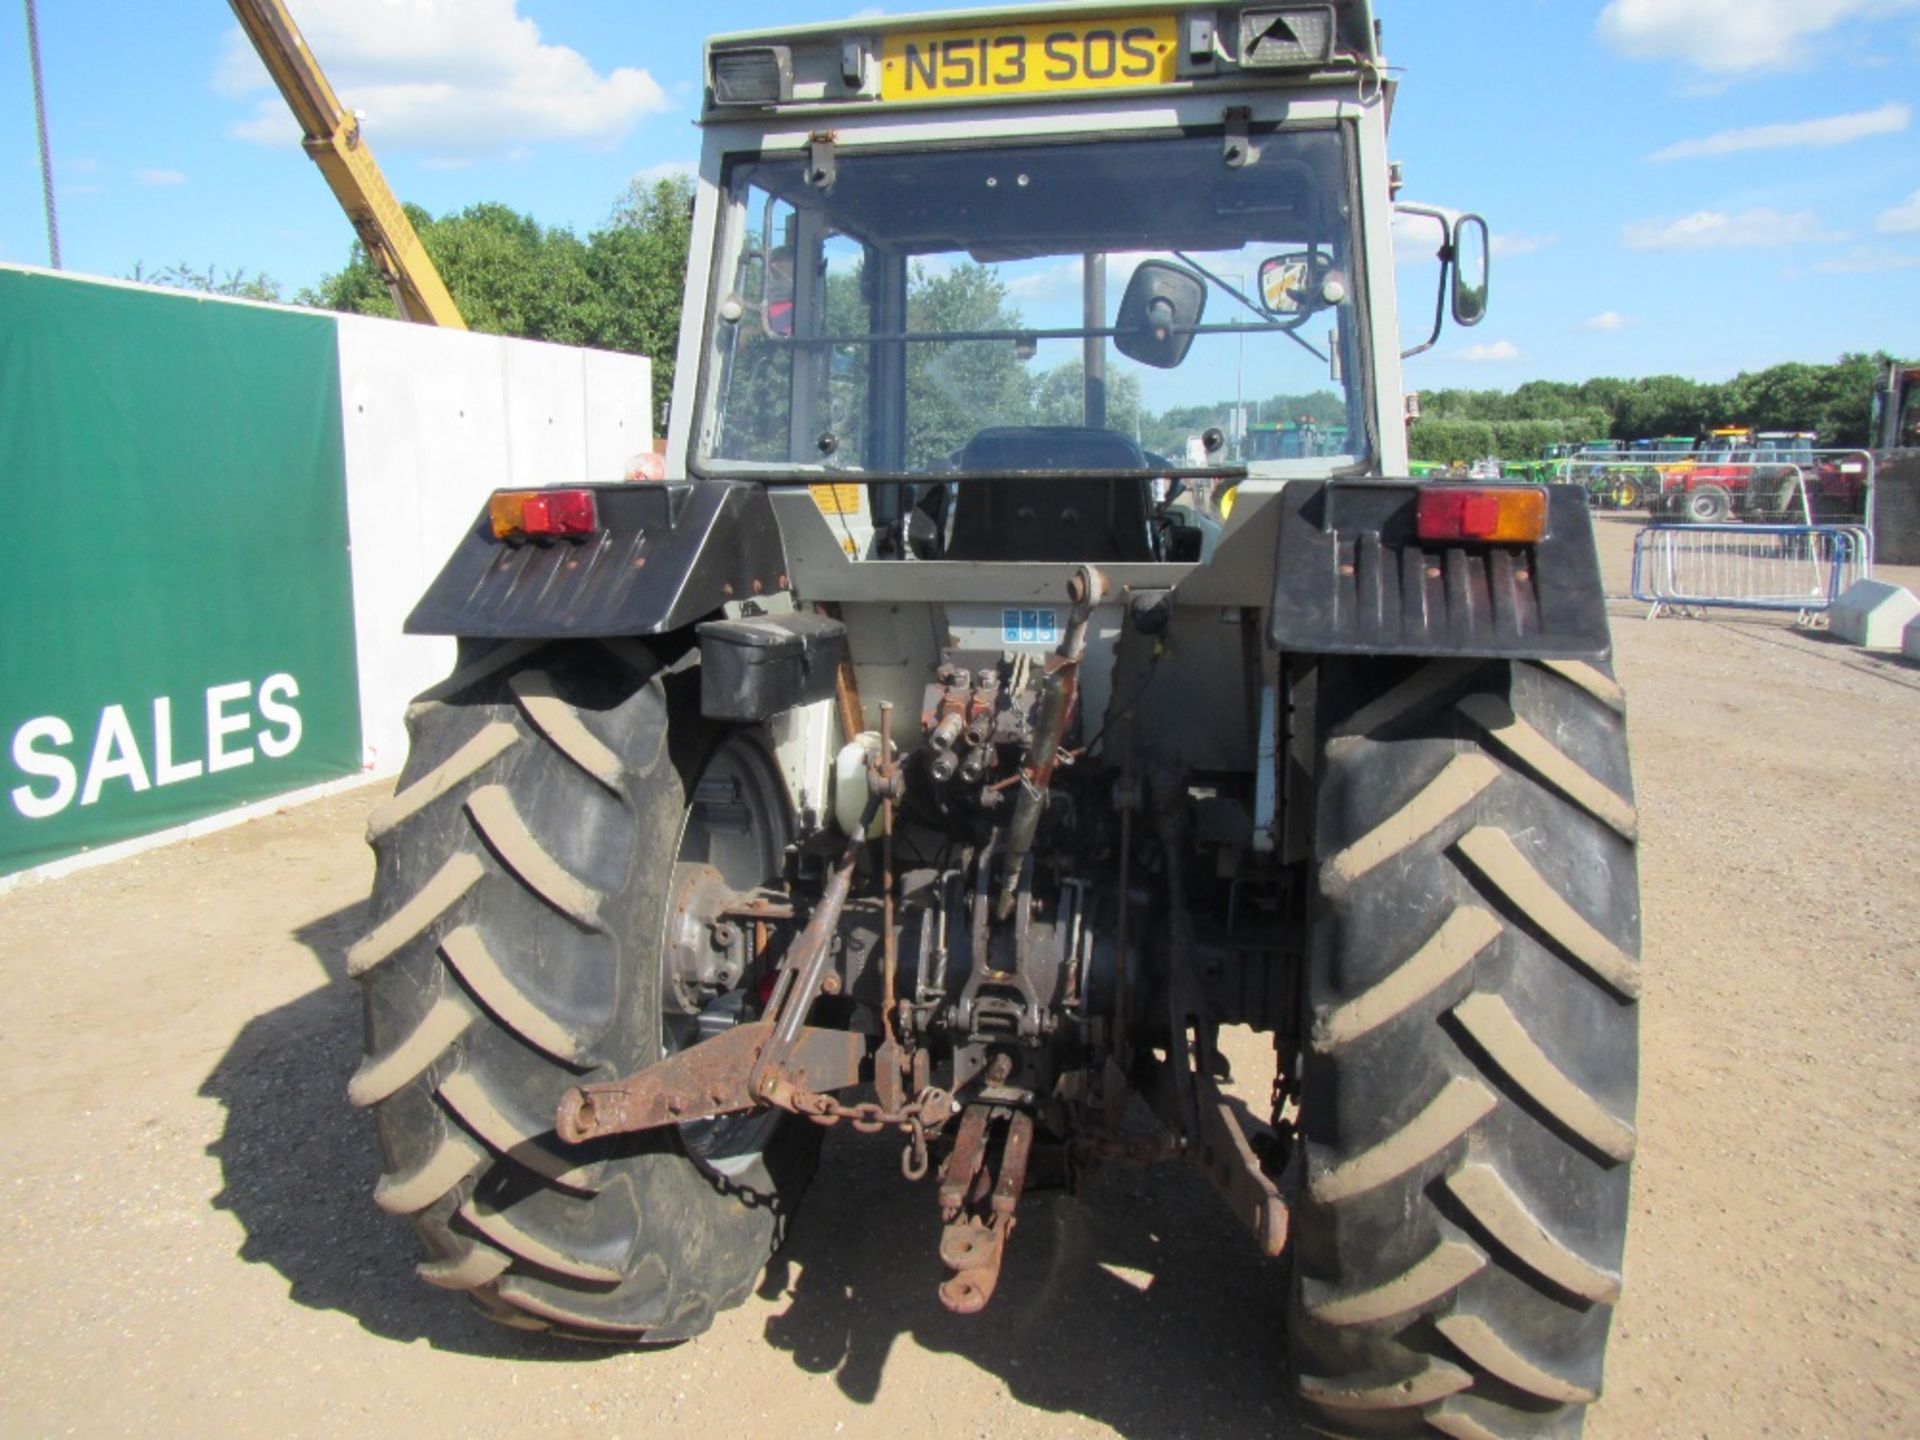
x: 190, y: 1246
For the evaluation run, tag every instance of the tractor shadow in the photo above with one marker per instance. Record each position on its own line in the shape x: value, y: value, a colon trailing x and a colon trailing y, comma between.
x: 1140, y: 1304
x: 298, y: 1165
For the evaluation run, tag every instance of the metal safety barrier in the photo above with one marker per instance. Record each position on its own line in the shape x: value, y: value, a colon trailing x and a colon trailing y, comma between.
x: 1799, y: 569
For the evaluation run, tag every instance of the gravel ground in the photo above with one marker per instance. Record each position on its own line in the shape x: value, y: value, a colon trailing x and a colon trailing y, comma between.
x: 190, y: 1245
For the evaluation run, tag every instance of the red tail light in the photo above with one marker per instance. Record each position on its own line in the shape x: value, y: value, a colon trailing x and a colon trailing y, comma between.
x: 543, y: 513
x: 1506, y: 515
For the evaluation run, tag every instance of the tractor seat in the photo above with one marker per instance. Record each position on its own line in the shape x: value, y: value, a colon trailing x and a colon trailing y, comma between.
x: 1037, y: 518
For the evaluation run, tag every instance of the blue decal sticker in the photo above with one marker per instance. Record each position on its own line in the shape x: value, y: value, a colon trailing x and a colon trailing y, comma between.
x: 1030, y: 627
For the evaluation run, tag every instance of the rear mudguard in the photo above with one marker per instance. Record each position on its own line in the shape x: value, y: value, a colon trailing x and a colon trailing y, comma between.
x: 1353, y: 578
x: 663, y: 557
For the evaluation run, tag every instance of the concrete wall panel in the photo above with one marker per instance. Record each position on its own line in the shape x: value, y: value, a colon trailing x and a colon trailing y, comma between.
x: 436, y: 420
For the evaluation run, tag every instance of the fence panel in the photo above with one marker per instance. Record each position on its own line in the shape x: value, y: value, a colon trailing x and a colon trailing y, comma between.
x: 1798, y: 569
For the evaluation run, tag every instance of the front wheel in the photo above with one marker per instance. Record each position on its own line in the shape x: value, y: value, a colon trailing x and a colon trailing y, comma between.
x: 552, y: 803
x: 1468, y: 1088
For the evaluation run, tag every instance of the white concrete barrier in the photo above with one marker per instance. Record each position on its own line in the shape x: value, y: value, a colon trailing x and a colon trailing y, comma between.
x: 434, y: 421
x: 1874, y: 615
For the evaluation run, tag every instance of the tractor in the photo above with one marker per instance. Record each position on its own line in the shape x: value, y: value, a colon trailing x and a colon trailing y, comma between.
x: 905, y: 764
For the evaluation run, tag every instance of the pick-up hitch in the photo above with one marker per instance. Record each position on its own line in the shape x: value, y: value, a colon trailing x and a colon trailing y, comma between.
x: 779, y: 1059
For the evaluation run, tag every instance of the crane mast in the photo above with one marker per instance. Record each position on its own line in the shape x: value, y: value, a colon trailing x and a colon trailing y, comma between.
x: 331, y: 135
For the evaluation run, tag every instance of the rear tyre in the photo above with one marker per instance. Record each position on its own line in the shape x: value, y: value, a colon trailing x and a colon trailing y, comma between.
x: 521, y: 874
x: 1468, y: 1089
x: 1709, y: 505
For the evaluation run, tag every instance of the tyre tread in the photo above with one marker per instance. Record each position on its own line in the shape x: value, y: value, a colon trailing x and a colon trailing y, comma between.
x: 515, y: 880
x: 1467, y: 1102
x: 507, y: 834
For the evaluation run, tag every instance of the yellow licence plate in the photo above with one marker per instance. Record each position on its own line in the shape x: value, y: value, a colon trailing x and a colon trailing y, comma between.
x: 1028, y: 59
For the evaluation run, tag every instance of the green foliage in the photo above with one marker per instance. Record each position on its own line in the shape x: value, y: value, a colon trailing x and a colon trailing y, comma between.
x: 1832, y: 400
x: 508, y: 275
x: 618, y: 290
x: 638, y: 265
x: 953, y: 387
x: 1059, y: 397
x: 1166, y: 433
x: 236, y: 283
x: 1446, y: 441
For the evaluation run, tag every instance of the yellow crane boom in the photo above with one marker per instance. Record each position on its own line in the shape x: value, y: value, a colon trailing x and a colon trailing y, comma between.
x: 331, y: 135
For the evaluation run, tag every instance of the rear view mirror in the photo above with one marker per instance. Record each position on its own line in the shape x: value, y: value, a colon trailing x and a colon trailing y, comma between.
x: 1158, y: 314
x: 1292, y: 287
x: 1286, y: 285
x: 1471, y: 262
x: 1464, y: 257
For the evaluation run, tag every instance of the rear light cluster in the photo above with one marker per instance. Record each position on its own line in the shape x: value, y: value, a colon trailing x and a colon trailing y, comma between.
x: 1505, y: 515
x: 542, y: 513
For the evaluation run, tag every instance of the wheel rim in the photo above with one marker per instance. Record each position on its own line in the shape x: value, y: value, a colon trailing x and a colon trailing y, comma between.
x: 732, y: 839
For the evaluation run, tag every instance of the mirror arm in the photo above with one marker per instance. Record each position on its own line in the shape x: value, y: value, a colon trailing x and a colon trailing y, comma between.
x: 1445, y: 257
x: 1439, y: 309
x: 1265, y: 319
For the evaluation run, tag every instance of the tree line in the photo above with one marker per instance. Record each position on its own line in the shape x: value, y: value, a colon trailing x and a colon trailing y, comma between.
x: 1834, y: 401
x: 620, y: 288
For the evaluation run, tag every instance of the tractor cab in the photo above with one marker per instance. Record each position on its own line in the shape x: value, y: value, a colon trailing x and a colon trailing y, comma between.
x: 1785, y: 447
x: 1305, y: 440
x: 962, y: 290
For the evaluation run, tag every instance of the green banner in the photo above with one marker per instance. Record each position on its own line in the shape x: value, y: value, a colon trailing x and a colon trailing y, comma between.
x: 176, y: 611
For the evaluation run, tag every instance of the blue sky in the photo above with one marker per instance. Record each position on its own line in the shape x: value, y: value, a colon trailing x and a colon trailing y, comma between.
x: 1695, y: 187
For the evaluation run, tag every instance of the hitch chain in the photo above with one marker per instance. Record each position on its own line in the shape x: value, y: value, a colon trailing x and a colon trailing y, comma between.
x: 927, y: 1111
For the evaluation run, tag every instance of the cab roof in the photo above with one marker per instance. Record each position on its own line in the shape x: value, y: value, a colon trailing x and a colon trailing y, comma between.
x: 859, y: 63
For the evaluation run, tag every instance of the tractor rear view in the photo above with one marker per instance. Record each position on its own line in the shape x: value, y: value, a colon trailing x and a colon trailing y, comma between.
x: 910, y: 761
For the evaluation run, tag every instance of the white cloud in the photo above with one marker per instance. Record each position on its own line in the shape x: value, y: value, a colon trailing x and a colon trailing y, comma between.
x: 1496, y: 353
x: 1748, y: 230
x: 455, y: 77
x: 1607, y: 321
x: 1507, y: 246
x: 666, y: 170
x: 1042, y: 282
x: 1901, y: 219
x: 1054, y: 282
x: 154, y: 179
x: 1864, y: 261
x: 1822, y: 134
x: 1416, y: 239
x: 1731, y: 37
